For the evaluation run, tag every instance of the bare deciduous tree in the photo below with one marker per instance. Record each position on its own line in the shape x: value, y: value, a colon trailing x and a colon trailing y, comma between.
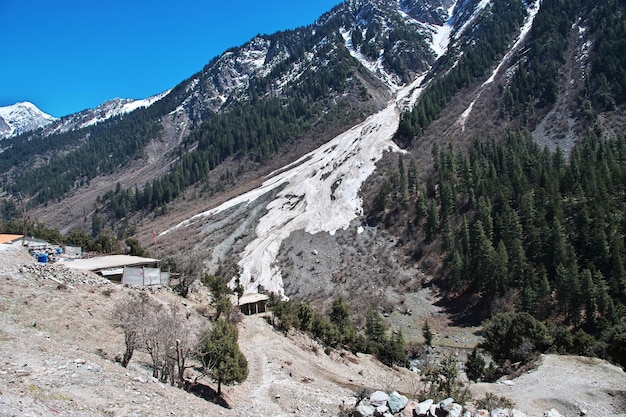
x: 130, y: 315
x: 190, y: 271
x: 168, y: 335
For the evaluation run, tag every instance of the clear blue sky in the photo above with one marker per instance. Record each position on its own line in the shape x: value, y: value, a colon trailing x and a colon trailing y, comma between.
x: 69, y: 55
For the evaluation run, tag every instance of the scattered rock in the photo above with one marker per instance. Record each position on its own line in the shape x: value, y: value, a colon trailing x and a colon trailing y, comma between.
x: 446, y: 405
x: 397, y: 402
x: 455, y: 410
x: 409, y: 409
x: 421, y: 409
x: 364, y: 411
x: 381, y: 410
x: 379, y: 398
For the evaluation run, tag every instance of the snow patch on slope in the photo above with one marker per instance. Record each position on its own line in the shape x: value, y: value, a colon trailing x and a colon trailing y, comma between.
x: 528, y: 24
x: 375, y: 67
x: 479, y: 8
x: 320, y: 192
x: 533, y: 9
x: 441, y: 34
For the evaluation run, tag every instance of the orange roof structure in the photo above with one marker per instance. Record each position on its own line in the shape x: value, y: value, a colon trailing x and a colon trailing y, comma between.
x: 9, y: 238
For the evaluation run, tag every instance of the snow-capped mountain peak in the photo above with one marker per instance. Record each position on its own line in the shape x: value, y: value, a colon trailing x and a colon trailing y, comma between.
x: 22, y: 117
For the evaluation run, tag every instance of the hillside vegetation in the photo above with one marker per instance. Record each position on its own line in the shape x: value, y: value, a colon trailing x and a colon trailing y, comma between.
x: 499, y: 223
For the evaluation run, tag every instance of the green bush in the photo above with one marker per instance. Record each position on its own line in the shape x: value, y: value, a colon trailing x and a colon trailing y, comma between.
x: 516, y: 337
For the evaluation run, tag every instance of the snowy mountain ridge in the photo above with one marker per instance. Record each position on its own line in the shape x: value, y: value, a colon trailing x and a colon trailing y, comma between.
x: 105, y: 111
x: 22, y: 117
x: 227, y: 77
x: 26, y: 117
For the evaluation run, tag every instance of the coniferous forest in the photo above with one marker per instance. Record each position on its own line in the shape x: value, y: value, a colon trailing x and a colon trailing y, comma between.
x: 521, y: 228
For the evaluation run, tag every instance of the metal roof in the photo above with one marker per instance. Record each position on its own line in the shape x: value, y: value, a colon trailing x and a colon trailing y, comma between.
x: 108, y: 262
x: 250, y: 298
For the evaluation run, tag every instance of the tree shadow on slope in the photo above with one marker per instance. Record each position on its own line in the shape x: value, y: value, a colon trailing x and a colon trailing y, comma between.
x: 465, y: 309
x: 209, y: 394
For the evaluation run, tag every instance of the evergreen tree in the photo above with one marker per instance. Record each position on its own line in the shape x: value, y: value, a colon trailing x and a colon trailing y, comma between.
x: 475, y: 366
x: 220, y: 355
x: 427, y: 333
x: 517, y: 337
x: 375, y: 328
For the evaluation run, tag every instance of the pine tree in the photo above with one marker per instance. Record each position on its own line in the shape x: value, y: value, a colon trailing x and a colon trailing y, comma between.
x: 375, y: 327
x: 475, y: 366
x: 220, y: 355
x: 427, y: 333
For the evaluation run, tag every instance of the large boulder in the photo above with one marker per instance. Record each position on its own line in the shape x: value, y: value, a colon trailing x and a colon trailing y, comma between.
x: 500, y: 412
x: 408, y: 409
x: 552, y: 413
x: 364, y: 411
x: 397, y: 402
x: 381, y: 410
x: 421, y: 409
x: 446, y: 405
x: 455, y: 410
x: 379, y: 398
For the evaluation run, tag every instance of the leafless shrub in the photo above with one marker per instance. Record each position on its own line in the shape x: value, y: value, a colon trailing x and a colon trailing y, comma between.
x: 388, y: 382
x: 130, y: 315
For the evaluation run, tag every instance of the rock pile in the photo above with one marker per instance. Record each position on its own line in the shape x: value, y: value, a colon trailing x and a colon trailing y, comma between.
x: 380, y: 404
x: 63, y: 275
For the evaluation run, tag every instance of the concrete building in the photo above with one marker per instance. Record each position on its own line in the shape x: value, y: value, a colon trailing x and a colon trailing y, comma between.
x: 252, y: 303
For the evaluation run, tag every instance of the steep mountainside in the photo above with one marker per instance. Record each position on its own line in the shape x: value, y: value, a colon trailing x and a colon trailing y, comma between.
x: 303, y: 161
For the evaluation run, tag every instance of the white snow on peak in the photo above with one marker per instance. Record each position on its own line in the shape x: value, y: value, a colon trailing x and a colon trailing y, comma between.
x: 320, y: 192
x: 22, y: 117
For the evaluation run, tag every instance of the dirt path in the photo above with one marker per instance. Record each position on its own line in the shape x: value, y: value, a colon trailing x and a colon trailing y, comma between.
x: 292, y: 374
